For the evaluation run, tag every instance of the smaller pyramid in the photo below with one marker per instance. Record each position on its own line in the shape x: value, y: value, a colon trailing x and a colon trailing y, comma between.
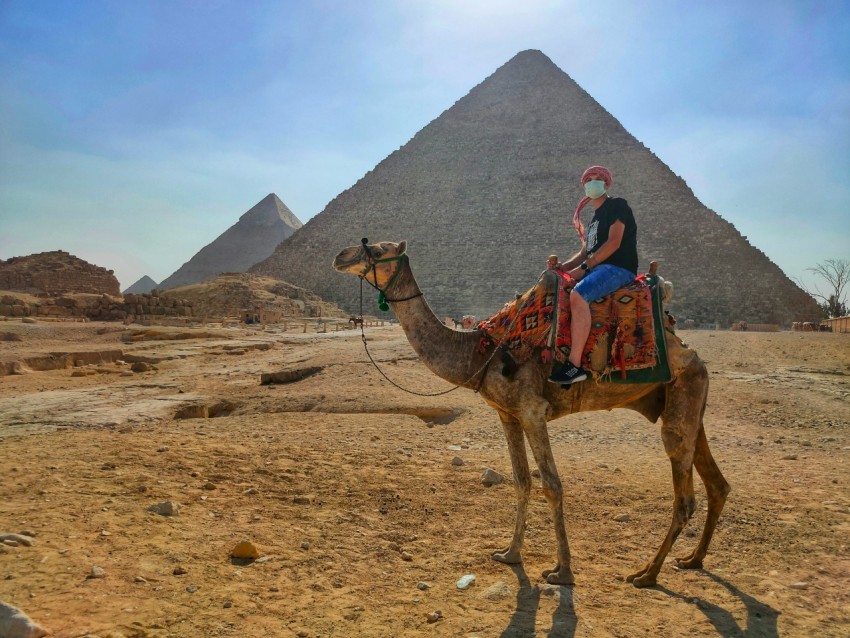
x: 57, y: 273
x: 250, y: 240
x: 143, y: 285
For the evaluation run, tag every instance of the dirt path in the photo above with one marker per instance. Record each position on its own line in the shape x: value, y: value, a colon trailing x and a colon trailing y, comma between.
x: 347, y: 487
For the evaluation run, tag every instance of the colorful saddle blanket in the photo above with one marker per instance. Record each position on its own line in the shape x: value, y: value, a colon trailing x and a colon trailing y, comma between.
x: 625, y: 335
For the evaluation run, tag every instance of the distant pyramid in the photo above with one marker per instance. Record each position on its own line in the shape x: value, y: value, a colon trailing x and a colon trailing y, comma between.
x: 143, y: 285
x: 251, y: 239
x: 486, y: 192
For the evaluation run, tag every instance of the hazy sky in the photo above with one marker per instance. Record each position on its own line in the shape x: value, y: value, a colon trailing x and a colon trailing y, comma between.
x: 133, y: 133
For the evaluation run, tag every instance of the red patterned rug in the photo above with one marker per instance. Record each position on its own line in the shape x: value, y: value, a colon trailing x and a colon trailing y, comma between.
x: 622, y: 334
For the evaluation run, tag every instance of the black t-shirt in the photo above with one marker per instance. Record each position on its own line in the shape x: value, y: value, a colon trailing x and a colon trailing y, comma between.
x: 614, y: 209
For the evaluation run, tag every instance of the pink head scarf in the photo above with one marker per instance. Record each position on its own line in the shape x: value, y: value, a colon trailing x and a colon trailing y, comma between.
x: 607, y: 177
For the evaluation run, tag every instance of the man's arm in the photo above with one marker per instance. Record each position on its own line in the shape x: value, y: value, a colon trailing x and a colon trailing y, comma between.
x: 576, y: 259
x: 615, y: 238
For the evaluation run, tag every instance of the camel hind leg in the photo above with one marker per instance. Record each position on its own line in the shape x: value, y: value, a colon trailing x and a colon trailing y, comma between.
x: 717, y: 489
x: 681, y: 425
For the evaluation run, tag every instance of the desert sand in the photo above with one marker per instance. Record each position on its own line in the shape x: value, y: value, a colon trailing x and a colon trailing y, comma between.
x: 366, y: 504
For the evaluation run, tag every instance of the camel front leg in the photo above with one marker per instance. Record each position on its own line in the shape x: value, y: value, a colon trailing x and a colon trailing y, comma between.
x: 538, y: 439
x: 522, y: 483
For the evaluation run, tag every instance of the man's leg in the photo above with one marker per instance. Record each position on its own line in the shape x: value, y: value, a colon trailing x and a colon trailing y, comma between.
x: 579, y: 327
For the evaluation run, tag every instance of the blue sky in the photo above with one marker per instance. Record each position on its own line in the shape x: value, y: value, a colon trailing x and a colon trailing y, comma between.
x: 134, y: 133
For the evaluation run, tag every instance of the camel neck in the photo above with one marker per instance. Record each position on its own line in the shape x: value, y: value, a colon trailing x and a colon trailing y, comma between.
x: 448, y: 353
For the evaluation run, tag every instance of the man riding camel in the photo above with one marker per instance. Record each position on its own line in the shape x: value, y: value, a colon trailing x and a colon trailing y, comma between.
x: 607, y: 261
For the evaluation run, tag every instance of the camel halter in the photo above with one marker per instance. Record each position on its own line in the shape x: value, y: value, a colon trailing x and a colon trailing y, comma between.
x: 383, y: 301
x: 384, y: 305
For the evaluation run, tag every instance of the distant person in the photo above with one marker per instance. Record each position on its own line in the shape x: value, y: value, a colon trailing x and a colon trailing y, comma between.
x: 607, y: 261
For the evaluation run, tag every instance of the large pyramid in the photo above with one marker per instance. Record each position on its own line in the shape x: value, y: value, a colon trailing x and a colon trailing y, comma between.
x: 486, y: 192
x: 248, y: 241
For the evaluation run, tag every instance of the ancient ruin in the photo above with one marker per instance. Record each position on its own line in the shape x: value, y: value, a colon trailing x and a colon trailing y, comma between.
x: 56, y: 272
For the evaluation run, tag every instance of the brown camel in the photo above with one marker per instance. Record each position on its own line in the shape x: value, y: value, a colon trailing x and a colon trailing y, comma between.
x: 526, y: 401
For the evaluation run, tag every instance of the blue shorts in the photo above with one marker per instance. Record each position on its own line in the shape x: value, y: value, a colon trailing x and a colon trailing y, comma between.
x: 603, y: 280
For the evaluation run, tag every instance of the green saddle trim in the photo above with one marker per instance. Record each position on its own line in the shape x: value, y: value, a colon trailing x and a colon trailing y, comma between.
x: 661, y: 372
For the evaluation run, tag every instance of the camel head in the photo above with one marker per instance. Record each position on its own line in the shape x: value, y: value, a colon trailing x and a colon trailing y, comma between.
x: 380, y: 261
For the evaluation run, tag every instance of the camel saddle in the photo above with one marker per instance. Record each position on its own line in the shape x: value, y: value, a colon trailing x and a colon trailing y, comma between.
x: 626, y: 342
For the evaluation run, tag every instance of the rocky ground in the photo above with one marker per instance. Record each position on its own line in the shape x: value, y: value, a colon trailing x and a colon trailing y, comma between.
x: 366, y: 506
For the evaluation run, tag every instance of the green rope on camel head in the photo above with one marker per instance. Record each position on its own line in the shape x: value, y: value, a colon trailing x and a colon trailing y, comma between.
x: 383, y: 304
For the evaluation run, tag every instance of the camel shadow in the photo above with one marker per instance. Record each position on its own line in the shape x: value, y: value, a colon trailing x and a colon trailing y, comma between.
x: 761, y: 618
x: 524, y: 618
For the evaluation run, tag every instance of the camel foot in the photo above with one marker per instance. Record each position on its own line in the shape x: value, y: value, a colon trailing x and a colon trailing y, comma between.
x: 559, y: 576
x: 689, y: 563
x: 642, y: 579
x: 509, y: 557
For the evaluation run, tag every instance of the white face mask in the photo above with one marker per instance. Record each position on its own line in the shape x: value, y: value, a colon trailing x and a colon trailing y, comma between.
x: 594, y: 188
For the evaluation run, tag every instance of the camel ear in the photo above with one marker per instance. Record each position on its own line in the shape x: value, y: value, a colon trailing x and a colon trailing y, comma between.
x: 402, y: 247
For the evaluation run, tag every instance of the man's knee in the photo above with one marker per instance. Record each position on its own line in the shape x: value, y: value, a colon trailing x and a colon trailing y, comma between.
x: 576, y: 300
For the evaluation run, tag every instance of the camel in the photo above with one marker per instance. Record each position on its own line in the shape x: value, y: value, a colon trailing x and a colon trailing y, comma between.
x: 525, y: 401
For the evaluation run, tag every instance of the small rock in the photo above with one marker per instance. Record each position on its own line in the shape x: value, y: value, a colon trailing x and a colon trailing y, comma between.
x: 209, y: 485
x: 227, y: 604
x: 305, y: 545
x: 302, y: 500
x: 164, y: 448
x: 422, y: 585
x: 457, y: 461
x: 141, y: 366
x: 192, y: 589
x: 139, y: 579
x: 10, y: 542
x: 622, y: 518
x: 434, y: 616
x: 14, y: 623
x: 250, y: 491
x: 799, y: 585
x: 245, y: 549
x: 491, y: 477
x: 497, y: 591
x: 104, y: 532
x: 789, y: 457
x: 551, y: 590
x: 26, y: 532
x: 167, y: 508
x: 179, y: 570
x: 97, y: 572
x: 465, y: 581
x: 406, y: 556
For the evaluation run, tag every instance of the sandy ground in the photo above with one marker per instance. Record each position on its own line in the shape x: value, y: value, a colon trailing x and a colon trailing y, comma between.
x: 347, y: 488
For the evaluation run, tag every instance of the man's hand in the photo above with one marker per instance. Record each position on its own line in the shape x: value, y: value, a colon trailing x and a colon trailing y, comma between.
x: 577, y: 273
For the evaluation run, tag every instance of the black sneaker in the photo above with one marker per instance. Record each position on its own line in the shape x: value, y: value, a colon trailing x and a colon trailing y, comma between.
x: 567, y: 374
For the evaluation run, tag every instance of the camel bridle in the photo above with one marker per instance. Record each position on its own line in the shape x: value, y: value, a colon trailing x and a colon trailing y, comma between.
x: 372, y: 266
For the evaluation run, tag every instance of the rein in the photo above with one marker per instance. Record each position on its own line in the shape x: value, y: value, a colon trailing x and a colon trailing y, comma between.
x: 384, y: 305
